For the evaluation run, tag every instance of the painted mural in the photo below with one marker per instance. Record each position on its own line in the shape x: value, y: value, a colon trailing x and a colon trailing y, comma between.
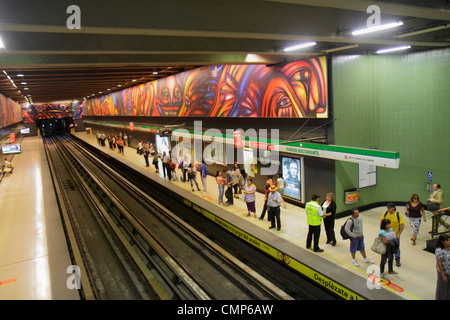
x: 32, y: 112
x: 9, y: 111
x: 293, y: 90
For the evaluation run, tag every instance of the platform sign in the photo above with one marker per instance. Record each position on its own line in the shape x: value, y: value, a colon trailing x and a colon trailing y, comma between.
x: 238, y: 139
x: 12, y: 137
x: 430, y: 176
x: 131, y: 126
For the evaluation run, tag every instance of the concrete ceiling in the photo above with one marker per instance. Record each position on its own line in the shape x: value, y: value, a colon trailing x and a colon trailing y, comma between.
x: 122, y: 41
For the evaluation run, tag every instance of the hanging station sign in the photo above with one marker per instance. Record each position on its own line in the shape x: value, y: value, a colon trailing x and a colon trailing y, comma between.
x: 380, y: 158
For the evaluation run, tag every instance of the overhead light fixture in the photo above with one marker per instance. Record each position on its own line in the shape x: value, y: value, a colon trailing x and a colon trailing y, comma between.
x: 155, y: 72
x: 393, y: 49
x: 377, y: 28
x: 414, y: 33
x: 2, y: 46
x: 20, y: 75
x: 299, y: 46
x: 340, y: 48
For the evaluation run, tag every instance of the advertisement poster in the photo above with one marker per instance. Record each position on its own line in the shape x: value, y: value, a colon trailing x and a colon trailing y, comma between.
x: 249, y: 162
x: 291, y: 171
x: 162, y: 144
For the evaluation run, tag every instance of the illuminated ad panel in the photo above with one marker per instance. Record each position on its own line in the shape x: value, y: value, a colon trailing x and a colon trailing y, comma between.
x: 10, y: 111
x: 292, y: 90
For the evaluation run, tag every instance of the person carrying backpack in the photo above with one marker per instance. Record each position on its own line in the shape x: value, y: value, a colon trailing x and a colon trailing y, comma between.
x: 397, y: 224
x: 354, y: 229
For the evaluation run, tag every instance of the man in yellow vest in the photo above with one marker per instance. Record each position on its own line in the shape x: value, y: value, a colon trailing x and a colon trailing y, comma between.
x: 314, y: 215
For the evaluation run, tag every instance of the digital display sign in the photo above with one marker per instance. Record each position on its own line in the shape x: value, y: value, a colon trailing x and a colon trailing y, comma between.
x: 11, y: 148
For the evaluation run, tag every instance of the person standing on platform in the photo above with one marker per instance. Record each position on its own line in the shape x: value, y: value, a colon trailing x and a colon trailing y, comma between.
x: 280, y: 186
x: 120, y: 145
x: 221, y: 185
x: 125, y: 139
x: 269, y: 182
x: 354, y: 228
x: 185, y: 164
x: 170, y: 168
x: 204, y: 173
x: 397, y: 224
x: 236, y: 173
x: 443, y: 267
x: 146, y: 151
x: 314, y: 215
x: 102, y: 138
x: 156, y: 161
x: 110, y: 142
x: 273, y: 203
x: 329, y: 208
x: 192, y: 173
x: 140, y: 148
x: 387, y: 235
x: 415, y: 210
x: 229, y: 191
x: 435, y: 202
x: 165, y: 161
x: 249, y: 197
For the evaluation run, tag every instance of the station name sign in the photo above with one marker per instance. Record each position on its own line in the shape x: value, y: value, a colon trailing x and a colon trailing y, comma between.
x: 387, y: 159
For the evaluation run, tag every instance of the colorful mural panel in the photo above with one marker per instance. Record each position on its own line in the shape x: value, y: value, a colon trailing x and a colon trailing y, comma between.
x: 293, y: 90
x: 32, y: 112
x: 9, y: 111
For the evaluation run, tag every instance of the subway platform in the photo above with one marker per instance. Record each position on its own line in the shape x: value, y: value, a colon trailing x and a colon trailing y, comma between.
x: 34, y: 257
x: 416, y: 278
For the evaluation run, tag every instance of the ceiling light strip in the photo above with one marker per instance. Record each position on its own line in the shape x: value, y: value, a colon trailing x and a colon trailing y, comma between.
x: 377, y: 28
x: 393, y: 49
x: 299, y: 46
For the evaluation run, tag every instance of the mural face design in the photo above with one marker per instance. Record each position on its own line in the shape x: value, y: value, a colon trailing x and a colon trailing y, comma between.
x: 293, y: 90
x: 169, y: 96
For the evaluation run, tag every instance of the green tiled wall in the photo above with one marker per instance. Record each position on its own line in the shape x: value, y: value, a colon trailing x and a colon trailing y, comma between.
x: 396, y: 103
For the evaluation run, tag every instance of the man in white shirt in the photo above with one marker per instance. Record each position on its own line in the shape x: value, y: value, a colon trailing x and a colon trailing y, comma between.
x: 273, y: 203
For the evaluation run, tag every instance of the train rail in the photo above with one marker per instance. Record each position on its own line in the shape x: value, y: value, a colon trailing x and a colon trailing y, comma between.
x: 128, y: 246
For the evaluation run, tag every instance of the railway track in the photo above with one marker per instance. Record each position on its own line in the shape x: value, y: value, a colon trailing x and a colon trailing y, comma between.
x: 129, y: 246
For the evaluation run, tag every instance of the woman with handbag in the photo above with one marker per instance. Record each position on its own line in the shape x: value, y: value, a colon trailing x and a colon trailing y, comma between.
x: 386, y: 232
x: 415, y: 210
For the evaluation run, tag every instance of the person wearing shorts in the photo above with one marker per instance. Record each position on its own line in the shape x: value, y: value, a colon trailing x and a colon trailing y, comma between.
x: 354, y: 228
